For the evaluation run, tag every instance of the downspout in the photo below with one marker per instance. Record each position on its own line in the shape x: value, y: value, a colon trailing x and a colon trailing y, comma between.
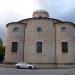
x: 55, y: 44
x: 24, y: 40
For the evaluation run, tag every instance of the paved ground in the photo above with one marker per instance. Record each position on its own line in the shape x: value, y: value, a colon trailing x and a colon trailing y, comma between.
x: 9, y: 69
x: 13, y: 71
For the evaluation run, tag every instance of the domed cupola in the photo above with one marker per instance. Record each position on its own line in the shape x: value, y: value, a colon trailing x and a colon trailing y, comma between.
x: 40, y: 13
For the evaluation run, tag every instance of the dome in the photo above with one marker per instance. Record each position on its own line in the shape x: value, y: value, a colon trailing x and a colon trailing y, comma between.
x: 40, y: 13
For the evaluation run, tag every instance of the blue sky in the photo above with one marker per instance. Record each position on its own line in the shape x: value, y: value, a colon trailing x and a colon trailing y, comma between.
x: 15, y: 10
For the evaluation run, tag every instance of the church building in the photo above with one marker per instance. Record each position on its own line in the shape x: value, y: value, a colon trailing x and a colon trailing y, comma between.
x: 41, y: 40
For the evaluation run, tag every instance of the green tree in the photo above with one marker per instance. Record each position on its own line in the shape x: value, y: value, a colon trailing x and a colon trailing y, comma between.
x: 2, y: 50
x: 1, y: 43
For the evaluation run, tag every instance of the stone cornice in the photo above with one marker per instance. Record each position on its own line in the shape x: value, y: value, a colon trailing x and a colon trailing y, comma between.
x: 14, y: 23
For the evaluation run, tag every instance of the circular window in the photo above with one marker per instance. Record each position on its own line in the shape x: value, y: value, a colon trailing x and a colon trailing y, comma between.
x: 39, y: 29
x: 63, y: 29
x: 15, y: 29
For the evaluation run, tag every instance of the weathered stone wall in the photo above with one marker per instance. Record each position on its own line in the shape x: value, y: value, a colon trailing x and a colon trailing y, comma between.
x: 47, y: 37
x: 14, y: 36
x: 66, y: 36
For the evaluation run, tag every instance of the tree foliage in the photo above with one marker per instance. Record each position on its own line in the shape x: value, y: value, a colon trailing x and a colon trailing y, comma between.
x: 1, y: 43
x: 2, y: 50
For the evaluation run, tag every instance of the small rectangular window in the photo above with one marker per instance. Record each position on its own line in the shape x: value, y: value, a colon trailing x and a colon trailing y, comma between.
x: 64, y: 47
x: 14, y: 46
x: 39, y: 47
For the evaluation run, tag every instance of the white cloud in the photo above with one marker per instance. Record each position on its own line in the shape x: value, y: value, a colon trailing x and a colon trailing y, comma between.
x: 61, y: 9
x: 15, y: 10
x: 22, y: 8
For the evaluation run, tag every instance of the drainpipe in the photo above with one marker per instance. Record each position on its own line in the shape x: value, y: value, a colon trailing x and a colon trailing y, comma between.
x: 24, y: 40
x: 55, y: 44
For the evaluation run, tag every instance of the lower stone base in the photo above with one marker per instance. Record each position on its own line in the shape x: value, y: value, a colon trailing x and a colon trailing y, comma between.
x: 6, y: 62
x: 54, y: 65
x: 46, y: 65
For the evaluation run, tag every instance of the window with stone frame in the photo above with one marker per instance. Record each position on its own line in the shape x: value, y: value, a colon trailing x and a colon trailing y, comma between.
x: 39, y: 47
x: 64, y: 47
x: 14, y: 46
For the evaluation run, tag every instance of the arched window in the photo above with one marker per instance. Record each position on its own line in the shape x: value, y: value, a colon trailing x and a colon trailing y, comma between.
x: 39, y: 29
x: 63, y: 29
x: 15, y: 29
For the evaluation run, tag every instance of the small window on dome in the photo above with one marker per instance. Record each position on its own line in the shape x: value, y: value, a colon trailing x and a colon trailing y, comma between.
x: 15, y: 29
x: 39, y: 29
x: 63, y: 29
x: 40, y: 16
